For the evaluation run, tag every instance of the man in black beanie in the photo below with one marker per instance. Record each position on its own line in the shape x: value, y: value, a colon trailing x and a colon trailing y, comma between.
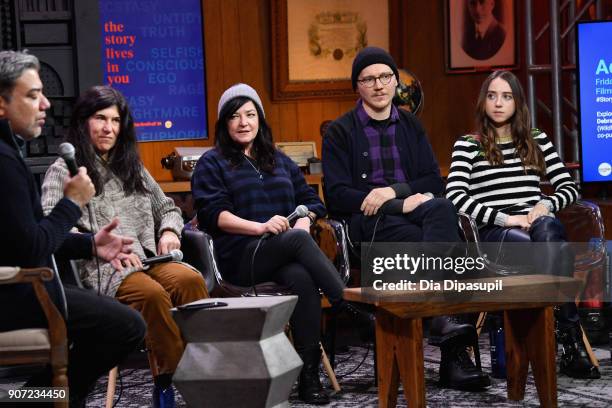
x: 381, y: 177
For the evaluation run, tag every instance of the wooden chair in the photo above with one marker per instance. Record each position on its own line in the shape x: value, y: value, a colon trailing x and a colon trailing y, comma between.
x: 36, y: 345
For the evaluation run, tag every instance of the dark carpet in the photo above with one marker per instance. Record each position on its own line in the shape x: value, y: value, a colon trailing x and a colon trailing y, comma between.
x: 356, y: 376
x: 355, y: 373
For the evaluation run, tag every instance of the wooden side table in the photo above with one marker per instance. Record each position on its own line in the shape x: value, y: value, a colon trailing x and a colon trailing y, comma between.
x: 529, y: 331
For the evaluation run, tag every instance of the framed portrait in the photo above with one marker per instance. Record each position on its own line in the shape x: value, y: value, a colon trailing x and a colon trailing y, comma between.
x: 299, y: 152
x: 314, y: 43
x: 480, y: 35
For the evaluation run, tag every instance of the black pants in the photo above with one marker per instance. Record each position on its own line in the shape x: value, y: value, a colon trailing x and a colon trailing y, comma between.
x: 101, y: 333
x: 293, y: 259
x: 433, y: 221
x: 552, y: 260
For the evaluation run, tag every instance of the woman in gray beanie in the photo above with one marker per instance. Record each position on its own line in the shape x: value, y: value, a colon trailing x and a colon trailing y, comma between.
x: 243, y: 191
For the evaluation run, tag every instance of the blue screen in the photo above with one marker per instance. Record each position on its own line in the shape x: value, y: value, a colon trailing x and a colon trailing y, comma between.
x: 152, y: 52
x: 595, y: 79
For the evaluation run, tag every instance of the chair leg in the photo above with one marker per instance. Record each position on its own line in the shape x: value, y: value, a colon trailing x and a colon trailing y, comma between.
x: 329, y: 370
x: 153, y: 364
x: 589, y: 350
x: 480, y: 322
x: 110, y: 388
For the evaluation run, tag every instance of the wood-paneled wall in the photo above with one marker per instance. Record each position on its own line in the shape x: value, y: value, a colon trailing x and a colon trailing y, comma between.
x: 237, y: 48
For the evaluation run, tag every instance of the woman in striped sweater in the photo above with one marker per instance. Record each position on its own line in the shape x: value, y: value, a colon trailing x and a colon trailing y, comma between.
x: 495, y: 178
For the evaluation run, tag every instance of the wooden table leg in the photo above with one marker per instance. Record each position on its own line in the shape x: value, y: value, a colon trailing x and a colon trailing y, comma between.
x: 530, y: 339
x: 399, y: 349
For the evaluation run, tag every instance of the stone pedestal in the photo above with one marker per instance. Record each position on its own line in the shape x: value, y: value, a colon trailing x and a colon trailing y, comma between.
x: 237, y: 355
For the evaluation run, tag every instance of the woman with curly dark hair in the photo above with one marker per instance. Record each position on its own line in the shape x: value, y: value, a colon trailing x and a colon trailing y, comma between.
x: 102, y: 132
x: 495, y: 178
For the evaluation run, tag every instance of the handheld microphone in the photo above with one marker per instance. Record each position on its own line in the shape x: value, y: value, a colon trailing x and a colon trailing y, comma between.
x: 66, y: 152
x: 299, y: 212
x: 174, y: 255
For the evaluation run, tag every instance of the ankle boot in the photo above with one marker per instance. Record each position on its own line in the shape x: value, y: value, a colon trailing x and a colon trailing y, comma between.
x: 365, y: 320
x: 575, y: 361
x: 309, y: 385
x: 447, y: 328
x: 457, y: 369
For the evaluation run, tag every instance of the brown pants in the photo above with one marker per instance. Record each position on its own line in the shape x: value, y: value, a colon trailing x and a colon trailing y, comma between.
x: 153, y: 293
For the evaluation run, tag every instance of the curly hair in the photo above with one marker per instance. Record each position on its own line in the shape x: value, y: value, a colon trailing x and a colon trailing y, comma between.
x: 123, y: 159
x: 520, y: 126
x: 263, y: 149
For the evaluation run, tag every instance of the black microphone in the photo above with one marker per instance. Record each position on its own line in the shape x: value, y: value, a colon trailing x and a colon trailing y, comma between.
x: 299, y: 212
x: 174, y: 255
x: 66, y: 152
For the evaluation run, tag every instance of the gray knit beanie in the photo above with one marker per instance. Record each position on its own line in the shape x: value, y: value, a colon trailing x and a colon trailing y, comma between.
x: 239, y: 90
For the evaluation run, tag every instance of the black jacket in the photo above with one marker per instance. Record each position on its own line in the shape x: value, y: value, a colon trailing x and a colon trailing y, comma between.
x: 346, y: 164
x: 27, y: 237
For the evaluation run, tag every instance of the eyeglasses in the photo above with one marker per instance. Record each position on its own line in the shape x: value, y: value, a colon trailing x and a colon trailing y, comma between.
x: 369, y: 82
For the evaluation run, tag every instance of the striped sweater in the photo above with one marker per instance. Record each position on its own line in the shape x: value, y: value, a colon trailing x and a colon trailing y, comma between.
x: 489, y: 194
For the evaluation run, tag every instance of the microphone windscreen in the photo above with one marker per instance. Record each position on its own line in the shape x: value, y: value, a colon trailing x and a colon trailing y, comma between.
x: 177, y: 255
x: 66, y: 151
x: 302, y: 211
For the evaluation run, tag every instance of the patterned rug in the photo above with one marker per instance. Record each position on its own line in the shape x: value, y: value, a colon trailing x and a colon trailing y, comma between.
x: 355, y: 371
x: 356, y: 377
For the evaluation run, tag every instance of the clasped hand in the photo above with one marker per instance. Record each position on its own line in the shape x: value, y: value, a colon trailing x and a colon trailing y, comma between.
x: 525, y: 221
x: 274, y: 225
x: 375, y: 199
x: 413, y: 201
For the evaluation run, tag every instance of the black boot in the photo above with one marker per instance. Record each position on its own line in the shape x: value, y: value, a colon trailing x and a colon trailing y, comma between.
x: 364, y: 319
x: 575, y: 361
x: 309, y: 385
x: 457, y: 369
x: 445, y: 328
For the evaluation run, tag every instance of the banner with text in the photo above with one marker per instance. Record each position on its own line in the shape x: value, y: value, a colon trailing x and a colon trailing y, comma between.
x: 152, y: 52
x: 595, y: 78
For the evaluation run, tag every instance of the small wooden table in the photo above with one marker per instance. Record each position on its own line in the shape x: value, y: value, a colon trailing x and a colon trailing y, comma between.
x: 528, y: 324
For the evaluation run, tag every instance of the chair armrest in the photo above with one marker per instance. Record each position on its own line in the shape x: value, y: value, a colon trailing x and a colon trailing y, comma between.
x: 332, y: 238
x: 469, y: 228
x: 57, y: 325
x: 10, y: 275
x: 194, y: 245
x: 582, y: 221
x: 584, y: 224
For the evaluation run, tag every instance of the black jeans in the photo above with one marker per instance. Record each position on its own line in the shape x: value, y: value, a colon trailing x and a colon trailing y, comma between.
x: 101, y: 333
x: 549, y: 260
x: 293, y: 259
x: 433, y: 221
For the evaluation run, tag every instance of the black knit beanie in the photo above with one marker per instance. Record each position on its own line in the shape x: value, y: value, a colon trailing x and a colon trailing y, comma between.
x: 369, y: 56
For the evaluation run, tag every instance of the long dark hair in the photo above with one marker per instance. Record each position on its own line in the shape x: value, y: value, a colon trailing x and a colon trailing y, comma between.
x: 520, y: 126
x: 123, y: 159
x: 263, y: 148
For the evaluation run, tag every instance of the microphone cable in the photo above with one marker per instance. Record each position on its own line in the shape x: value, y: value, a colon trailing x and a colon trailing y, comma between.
x: 259, y: 241
x: 373, y: 235
x: 95, y: 247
